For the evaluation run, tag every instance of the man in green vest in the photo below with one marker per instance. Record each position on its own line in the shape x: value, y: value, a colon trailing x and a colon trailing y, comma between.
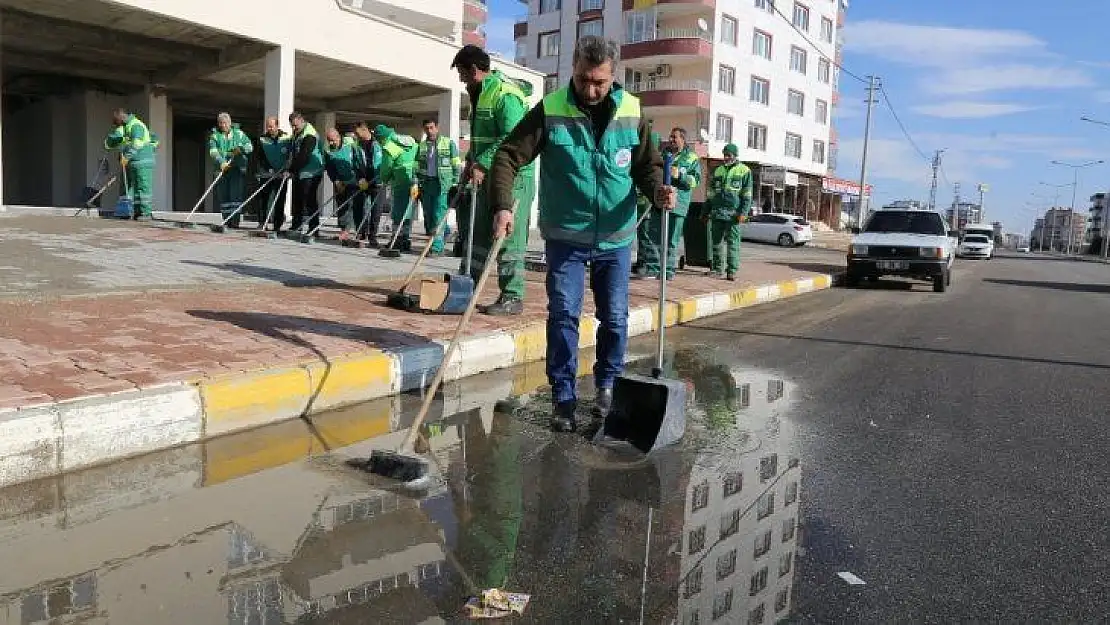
x: 373, y: 151
x: 437, y: 169
x: 643, y: 205
x: 596, y: 152
x: 398, y: 161
x: 306, y: 167
x: 229, y: 148
x: 345, y: 163
x: 273, y: 159
x: 497, y: 104
x: 136, y: 145
x: 730, y: 203
x: 686, y: 175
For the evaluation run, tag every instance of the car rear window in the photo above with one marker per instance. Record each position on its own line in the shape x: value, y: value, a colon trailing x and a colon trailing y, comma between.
x: 801, y: 221
x: 976, y: 238
x: 907, y: 222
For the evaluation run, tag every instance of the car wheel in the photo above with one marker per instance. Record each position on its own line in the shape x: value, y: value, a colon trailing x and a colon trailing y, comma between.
x: 940, y: 283
x: 786, y: 240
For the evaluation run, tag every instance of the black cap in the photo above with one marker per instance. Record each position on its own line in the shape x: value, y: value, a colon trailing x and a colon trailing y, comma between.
x: 471, y: 56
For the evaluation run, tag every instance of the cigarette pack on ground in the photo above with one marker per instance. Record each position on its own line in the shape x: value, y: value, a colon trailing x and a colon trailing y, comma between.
x: 496, y: 603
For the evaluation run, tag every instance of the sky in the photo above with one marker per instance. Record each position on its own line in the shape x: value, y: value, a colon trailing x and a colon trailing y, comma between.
x: 999, y: 85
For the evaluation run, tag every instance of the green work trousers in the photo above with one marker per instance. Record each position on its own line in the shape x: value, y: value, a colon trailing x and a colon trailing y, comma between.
x: 642, y: 240
x: 433, y: 197
x: 722, y: 233
x: 651, y: 250
x: 402, y: 209
x: 140, y: 186
x: 510, y: 262
x: 230, y: 194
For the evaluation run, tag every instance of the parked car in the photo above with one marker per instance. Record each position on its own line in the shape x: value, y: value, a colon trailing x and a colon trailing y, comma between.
x: 781, y: 228
x: 976, y: 246
x: 902, y: 242
x: 1024, y: 249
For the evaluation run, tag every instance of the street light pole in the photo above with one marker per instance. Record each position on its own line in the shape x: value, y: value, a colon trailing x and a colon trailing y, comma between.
x: 1075, y: 188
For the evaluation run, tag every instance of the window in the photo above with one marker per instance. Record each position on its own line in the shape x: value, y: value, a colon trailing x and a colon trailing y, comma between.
x: 730, y: 523
x: 724, y: 128
x: 826, y: 30
x: 550, y: 6
x: 639, y: 26
x: 766, y: 5
x: 755, y: 617
x: 726, y: 565
x: 762, y: 544
x: 818, y: 152
x: 693, y: 583
x: 789, y: 526
x: 791, y: 494
x: 766, y: 505
x: 693, y: 617
x: 760, y: 90
x: 782, y: 599
x: 521, y: 53
x: 775, y: 388
x: 746, y: 389
x: 696, y: 540
x: 726, y: 79
x: 549, y: 45
x: 700, y: 497
x: 768, y: 467
x: 729, y: 29
x: 722, y: 604
x: 734, y: 481
x: 797, y: 60
x: 824, y: 71
x: 590, y: 27
x: 801, y: 17
x: 761, y: 44
x: 591, y: 5
x: 759, y: 582
x: 786, y: 562
x: 796, y: 102
x: 550, y: 83
x: 822, y: 108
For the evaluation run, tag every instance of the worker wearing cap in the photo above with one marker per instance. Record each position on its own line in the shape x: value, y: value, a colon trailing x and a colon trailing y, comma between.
x: 272, y: 157
x: 230, y: 148
x: 730, y: 203
x: 497, y: 104
x: 136, y: 145
x: 345, y: 163
x: 438, y: 166
x: 596, y: 151
x: 686, y: 176
x: 306, y: 167
x: 398, y: 161
x: 643, y: 205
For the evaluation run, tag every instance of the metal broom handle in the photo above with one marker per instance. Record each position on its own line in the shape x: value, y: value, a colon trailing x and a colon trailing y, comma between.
x: 665, y: 244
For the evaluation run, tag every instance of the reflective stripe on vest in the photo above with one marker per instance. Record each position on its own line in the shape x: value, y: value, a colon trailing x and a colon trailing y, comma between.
x: 142, y: 141
x: 446, y: 163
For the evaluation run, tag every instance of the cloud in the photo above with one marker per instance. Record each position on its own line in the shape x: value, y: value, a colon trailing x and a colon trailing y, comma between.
x: 968, y: 80
x: 964, y: 109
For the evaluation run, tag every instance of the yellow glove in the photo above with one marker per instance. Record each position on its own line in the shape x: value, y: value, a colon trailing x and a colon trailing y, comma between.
x: 123, y: 160
x: 363, y: 185
x: 226, y: 166
x: 414, y: 191
x: 741, y: 219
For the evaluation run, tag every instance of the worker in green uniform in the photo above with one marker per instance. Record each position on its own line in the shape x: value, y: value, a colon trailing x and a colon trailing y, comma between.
x: 306, y: 168
x: 373, y: 151
x: 730, y: 203
x: 686, y: 176
x: 643, y: 205
x: 345, y: 163
x: 272, y: 157
x: 438, y: 166
x: 497, y: 104
x: 230, y: 149
x: 398, y: 161
x: 136, y: 145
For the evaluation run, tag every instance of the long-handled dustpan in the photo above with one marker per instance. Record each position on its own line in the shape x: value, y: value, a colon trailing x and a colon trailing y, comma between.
x: 222, y: 227
x: 404, y: 301
x: 650, y: 411
x: 125, y: 204
x: 402, y: 464
x: 188, y: 223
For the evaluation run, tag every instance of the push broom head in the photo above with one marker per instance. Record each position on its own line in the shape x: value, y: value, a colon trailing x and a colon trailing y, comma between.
x: 389, y: 252
x: 412, y: 472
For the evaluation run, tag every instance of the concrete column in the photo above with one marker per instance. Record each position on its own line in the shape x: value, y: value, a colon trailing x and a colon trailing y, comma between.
x: 322, y: 122
x: 65, y: 187
x: 279, y: 94
x: 160, y: 122
x: 450, y: 124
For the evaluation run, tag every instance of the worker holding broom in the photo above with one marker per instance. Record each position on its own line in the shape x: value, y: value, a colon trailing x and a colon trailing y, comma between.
x: 273, y: 159
x: 136, y: 145
x: 437, y: 169
x: 230, y: 149
x: 730, y: 203
x: 686, y: 176
x: 306, y: 167
x: 497, y: 104
x: 398, y: 161
x: 596, y: 151
x: 346, y: 166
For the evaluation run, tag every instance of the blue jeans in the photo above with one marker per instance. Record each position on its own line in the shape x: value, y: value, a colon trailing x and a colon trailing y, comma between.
x: 566, y: 286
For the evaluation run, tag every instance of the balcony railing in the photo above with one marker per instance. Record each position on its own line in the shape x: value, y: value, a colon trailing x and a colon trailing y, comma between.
x: 668, y: 84
x: 669, y: 33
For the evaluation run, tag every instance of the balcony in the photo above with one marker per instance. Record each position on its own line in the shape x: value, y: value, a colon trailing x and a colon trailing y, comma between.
x: 668, y: 43
x: 676, y: 93
x: 475, y: 37
x: 629, y: 5
x: 475, y: 12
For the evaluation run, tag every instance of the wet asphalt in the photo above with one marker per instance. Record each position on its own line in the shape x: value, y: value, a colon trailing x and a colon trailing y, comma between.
x: 946, y: 449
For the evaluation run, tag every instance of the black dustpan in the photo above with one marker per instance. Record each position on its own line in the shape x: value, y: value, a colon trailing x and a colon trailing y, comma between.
x: 650, y: 411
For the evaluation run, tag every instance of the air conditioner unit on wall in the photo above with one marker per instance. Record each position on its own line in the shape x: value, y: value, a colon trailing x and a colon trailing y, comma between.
x: 663, y: 71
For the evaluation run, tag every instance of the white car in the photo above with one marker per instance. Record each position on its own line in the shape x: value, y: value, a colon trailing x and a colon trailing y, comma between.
x: 1024, y: 249
x: 976, y: 246
x: 902, y: 242
x: 781, y: 228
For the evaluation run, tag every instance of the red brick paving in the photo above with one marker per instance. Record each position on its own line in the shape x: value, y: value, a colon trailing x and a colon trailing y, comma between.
x: 71, y: 347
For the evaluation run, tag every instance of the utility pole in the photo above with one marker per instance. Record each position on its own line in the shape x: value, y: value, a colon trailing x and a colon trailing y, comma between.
x: 872, y: 86
x: 982, y: 207
x: 955, y: 225
x: 933, y: 188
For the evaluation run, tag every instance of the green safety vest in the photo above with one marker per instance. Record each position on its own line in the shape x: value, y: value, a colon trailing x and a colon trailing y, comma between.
x: 346, y: 162
x: 134, y: 140
x: 398, y: 160
x: 448, y: 162
x: 276, y: 150
x: 587, y: 193
x: 730, y: 191
x: 221, y: 145
x: 315, y: 164
x: 689, y: 176
x: 484, y: 133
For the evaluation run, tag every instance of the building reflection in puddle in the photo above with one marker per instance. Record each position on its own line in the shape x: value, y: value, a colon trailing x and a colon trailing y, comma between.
x: 702, y: 532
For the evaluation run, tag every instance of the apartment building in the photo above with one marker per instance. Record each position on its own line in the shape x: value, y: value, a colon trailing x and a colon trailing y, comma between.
x: 176, y: 64
x: 1051, y: 231
x: 758, y: 73
x: 1096, y: 219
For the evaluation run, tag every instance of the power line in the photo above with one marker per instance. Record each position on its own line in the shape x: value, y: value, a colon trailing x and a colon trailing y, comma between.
x: 902, y: 126
x: 839, y: 66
